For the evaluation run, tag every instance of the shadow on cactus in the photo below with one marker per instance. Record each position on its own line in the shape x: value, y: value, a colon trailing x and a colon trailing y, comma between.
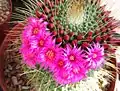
x: 66, y: 44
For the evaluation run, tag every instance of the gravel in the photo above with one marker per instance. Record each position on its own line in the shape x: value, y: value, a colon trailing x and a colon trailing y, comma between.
x: 14, y: 81
x: 13, y: 70
x: 4, y: 10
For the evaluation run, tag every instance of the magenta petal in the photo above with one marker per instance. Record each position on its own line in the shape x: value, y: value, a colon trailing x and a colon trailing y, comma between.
x: 73, y: 69
x: 34, y: 27
x: 95, y: 56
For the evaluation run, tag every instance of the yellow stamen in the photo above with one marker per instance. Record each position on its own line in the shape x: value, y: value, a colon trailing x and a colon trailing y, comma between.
x: 35, y: 31
x: 72, y: 58
x: 94, y: 55
x: 41, y: 43
x: 61, y: 63
x: 50, y: 54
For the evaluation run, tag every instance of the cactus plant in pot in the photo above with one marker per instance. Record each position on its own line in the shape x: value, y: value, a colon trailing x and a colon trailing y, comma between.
x: 63, y: 45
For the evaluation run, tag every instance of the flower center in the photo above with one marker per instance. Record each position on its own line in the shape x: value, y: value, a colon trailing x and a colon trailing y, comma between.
x: 94, y: 55
x: 41, y: 42
x: 35, y: 31
x: 71, y: 57
x: 50, y: 54
x: 61, y: 63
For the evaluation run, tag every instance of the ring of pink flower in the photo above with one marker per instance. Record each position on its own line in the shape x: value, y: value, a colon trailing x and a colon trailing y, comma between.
x: 68, y: 65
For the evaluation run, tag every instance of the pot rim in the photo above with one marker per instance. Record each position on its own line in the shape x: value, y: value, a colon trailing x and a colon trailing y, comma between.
x: 2, y: 49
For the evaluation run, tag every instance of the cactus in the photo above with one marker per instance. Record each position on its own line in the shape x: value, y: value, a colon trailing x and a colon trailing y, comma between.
x: 78, y: 22
x: 87, y: 20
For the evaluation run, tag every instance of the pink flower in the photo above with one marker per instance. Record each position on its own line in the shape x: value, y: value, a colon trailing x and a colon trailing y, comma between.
x: 59, y: 64
x: 74, y: 56
x: 95, y: 56
x: 35, y: 46
x: 29, y: 56
x: 25, y: 43
x: 49, y: 55
x: 76, y: 63
x: 63, y: 77
x: 71, y: 67
x: 42, y: 40
x: 79, y: 73
x: 34, y: 38
x: 34, y: 27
